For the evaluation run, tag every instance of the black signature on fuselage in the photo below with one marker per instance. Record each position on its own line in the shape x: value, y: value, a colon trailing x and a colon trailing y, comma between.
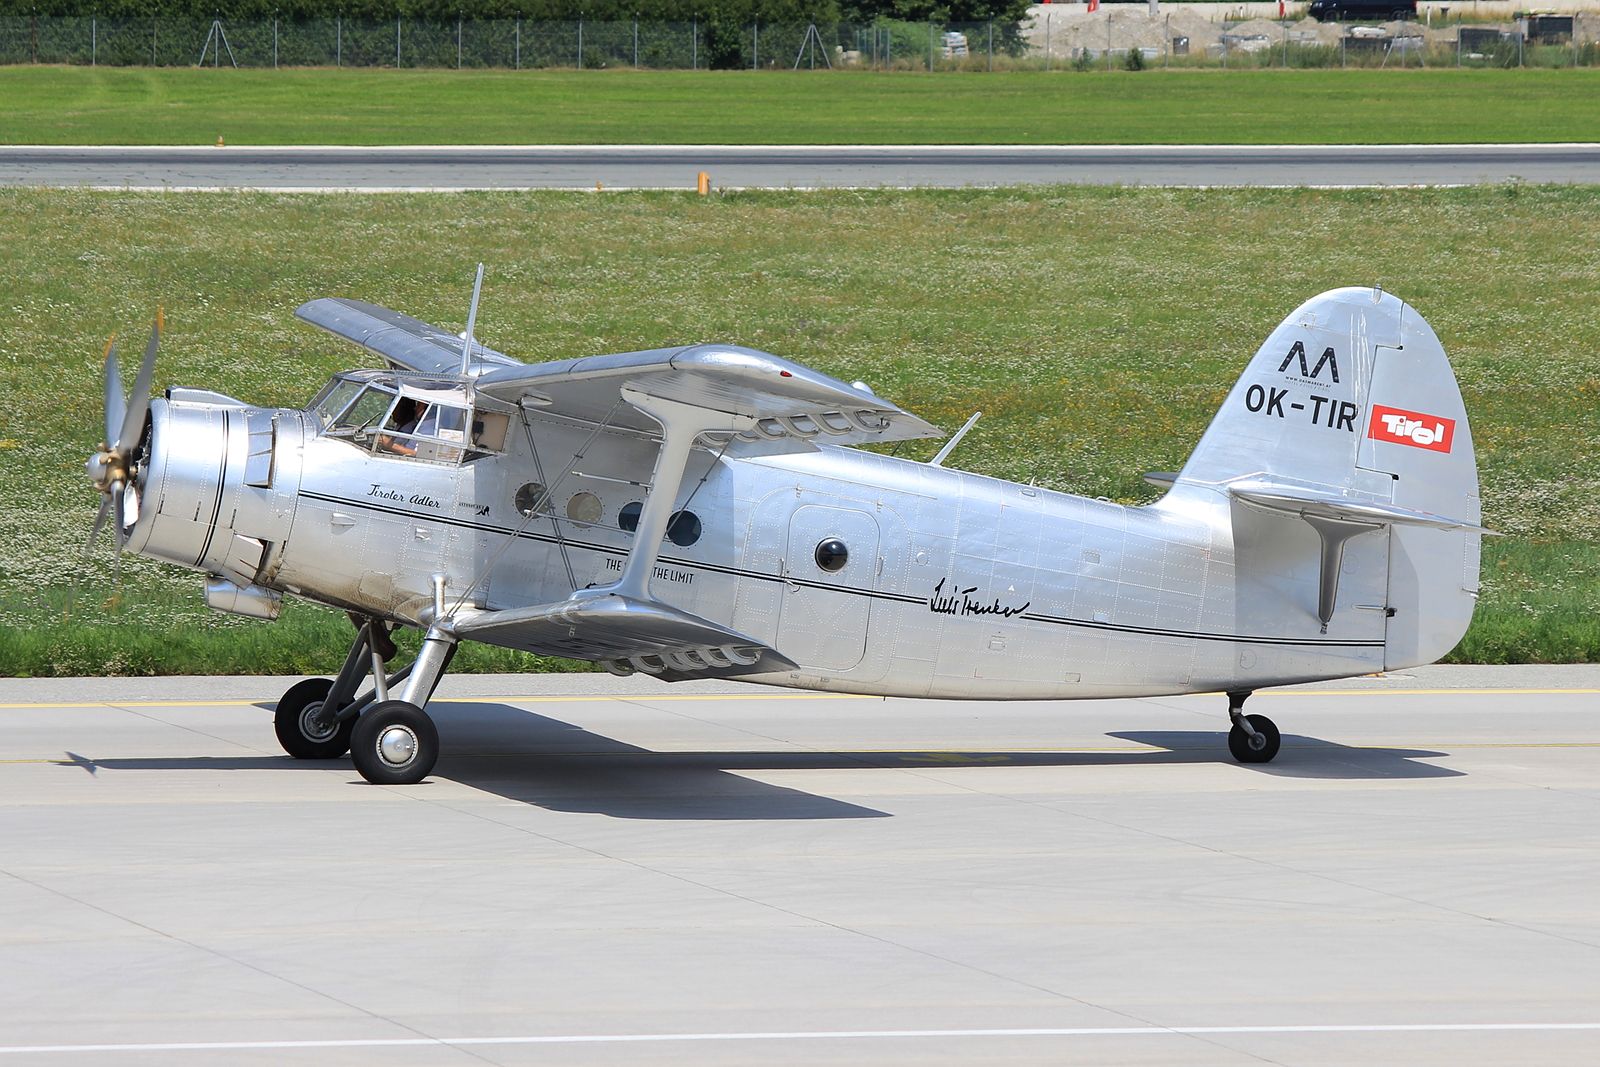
x: 960, y: 602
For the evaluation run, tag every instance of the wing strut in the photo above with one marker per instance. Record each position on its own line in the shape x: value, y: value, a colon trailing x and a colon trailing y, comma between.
x: 681, y: 425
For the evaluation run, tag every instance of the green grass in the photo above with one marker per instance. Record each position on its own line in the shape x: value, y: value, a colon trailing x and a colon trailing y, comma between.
x: 76, y: 105
x: 1098, y: 329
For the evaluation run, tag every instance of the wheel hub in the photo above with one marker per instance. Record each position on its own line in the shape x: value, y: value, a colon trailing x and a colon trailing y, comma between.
x: 397, y: 746
x: 313, y: 726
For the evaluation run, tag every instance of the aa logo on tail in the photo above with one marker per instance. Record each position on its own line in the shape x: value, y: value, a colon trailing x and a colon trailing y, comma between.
x: 1326, y: 360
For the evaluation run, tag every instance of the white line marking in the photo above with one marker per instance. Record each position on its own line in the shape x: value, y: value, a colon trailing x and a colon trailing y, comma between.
x: 804, y: 1035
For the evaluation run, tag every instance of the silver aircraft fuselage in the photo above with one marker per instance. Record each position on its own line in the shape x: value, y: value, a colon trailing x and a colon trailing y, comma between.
x: 953, y: 584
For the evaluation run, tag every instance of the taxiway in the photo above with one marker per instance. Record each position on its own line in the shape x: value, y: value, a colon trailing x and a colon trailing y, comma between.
x: 608, y: 871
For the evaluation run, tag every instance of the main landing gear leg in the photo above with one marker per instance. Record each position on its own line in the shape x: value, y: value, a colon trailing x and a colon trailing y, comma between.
x: 394, y: 742
x: 1254, y: 738
x: 314, y: 718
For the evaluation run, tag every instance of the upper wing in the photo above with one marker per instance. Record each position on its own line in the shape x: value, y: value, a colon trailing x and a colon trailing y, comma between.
x: 402, y: 340
x: 789, y: 402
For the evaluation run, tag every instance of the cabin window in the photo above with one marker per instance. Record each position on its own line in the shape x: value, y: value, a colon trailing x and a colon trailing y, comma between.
x: 684, y: 528
x: 832, y: 555
x: 584, y: 508
x: 532, y: 495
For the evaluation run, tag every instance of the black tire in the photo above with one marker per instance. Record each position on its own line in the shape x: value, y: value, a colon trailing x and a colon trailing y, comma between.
x: 1260, y: 749
x: 291, y: 722
x: 385, y: 732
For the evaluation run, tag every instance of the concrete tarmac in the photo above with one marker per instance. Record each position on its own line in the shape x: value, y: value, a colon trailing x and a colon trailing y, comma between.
x: 363, y: 168
x: 609, y: 871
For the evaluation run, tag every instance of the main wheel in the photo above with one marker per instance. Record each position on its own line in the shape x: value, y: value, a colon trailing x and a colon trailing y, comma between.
x: 299, y: 730
x: 394, y: 743
x: 1258, y: 749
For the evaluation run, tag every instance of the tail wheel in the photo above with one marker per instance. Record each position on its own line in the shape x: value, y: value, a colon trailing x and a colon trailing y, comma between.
x: 301, y: 730
x: 394, y: 743
x: 1259, y: 748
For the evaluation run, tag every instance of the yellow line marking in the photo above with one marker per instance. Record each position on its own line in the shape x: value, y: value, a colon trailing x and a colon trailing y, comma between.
x: 443, y: 700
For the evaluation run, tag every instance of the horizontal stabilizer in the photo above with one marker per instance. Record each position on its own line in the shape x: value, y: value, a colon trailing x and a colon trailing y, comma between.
x: 402, y: 340
x: 625, y: 632
x: 1334, y: 507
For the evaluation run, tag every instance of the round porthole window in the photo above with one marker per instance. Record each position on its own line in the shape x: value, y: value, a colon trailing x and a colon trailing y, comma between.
x: 529, y: 495
x: 832, y: 555
x: 684, y: 528
x: 584, y: 508
x: 628, y: 517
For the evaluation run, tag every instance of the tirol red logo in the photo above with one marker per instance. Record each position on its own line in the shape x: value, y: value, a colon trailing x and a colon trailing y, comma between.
x: 1413, y: 428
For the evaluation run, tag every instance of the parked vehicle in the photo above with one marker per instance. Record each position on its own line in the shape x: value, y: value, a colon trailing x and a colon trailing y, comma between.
x: 1342, y: 10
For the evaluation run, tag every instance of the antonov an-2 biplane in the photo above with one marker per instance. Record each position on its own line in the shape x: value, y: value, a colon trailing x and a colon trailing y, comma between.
x: 700, y: 512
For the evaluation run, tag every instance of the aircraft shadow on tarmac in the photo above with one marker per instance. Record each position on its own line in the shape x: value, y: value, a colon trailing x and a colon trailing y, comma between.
x: 533, y: 759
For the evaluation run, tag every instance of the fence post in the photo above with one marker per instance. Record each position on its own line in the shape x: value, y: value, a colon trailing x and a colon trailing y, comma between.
x: 152, y: 40
x: 519, y: 42
x: 397, y: 42
x: 1047, y: 63
x: 1166, y: 45
x: 94, y: 41
x: 274, y: 42
x: 991, y: 44
x: 34, y: 23
x: 1519, y: 46
x: 1108, y: 38
x: 1458, y: 44
x: 635, y: 44
x: 694, y: 42
x: 1285, y: 44
x: 458, y: 40
x: 580, y: 44
x: 338, y: 42
x: 930, y: 48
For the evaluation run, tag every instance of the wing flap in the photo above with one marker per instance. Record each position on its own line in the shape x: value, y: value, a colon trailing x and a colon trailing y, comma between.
x: 622, y: 632
x: 402, y: 340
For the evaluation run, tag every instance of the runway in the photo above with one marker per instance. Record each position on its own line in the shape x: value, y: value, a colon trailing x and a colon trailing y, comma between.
x: 613, y: 871
x: 779, y: 167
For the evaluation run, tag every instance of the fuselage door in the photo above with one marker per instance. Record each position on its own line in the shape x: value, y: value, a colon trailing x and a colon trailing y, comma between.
x: 830, y: 569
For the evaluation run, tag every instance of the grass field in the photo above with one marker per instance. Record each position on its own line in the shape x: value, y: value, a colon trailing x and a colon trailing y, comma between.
x: 1098, y: 329
x: 76, y: 105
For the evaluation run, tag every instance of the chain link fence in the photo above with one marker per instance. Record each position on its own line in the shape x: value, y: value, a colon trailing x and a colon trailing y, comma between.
x: 1061, y: 40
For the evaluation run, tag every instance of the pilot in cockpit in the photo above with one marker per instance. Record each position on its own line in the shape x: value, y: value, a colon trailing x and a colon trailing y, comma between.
x: 406, y: 417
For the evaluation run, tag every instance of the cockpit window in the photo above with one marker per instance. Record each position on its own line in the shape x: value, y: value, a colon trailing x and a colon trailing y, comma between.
x: 409, y: 416
x: 366, y: 412
x: 335, y: 399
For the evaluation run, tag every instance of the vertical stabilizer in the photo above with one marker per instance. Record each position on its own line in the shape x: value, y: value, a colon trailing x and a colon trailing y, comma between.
x: 1348, y: 422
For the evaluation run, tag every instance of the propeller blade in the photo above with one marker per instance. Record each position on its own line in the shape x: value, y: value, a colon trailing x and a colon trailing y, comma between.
x: 116, y: 405
x: 133, y: 423
x: 99, y: 521
x: 116, y: 518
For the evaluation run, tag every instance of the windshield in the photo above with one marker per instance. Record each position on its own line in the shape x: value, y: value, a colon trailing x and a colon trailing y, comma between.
x: 334, y: 399
x: 367, y: 411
